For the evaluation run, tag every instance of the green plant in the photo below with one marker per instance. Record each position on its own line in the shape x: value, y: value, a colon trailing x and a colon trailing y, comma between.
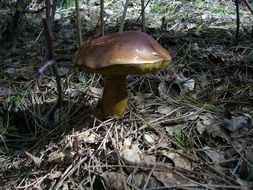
x: 157, y: 8
x: 12, y: 129
x: 16, y: 99
x: 250, y: 175
x: 222, y: 10
x: 65, y: 4
x: 180, y: 140
x: 198, y: 1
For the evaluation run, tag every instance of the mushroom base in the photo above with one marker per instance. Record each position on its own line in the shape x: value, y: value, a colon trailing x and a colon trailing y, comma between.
x: 115, y: 97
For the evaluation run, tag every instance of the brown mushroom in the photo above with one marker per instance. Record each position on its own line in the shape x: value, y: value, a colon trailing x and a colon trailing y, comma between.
x: 117, y: 55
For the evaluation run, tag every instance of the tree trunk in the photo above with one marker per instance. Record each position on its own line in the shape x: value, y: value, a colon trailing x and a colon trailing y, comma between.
x: 11, y: 33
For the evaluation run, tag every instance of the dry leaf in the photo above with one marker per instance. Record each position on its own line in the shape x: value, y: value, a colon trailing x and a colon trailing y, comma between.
x: 171, y: 130
x: 191, y: 26
x: 141, y: 178
x: 150, y: 138
x: 204, y: 121
x: 236, y: 123
x: 95, y: 92
x: 168, y: 178
x: 87, y: 137
x: 186, y: 84
x: 249, y: 155
x: 55, y: 174
x: 206, y: 17
x: 171, y: 73
x: 5, y: 89
x: 35, y: 159
x: 131, y: 154
x: 178, y: 160
x: 17, y: 164
x: 213, y: 154
x: 246, y: 167
x: 164, y: 109
x: 63, y: 71
x: 113, y: 180
x: 163, y: 90
x: 25, y: 72
x: 216, y: 131
x: 56, y: 156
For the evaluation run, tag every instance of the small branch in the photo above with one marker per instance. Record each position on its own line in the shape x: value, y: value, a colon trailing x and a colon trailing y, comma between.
x: 48, y: 23
x: 53, y: 13
x: 237, y: 22
x: 45, y: 66
x: 48, y: 37
x: 143, y: 16
x: 123, y: 16
x: 248, y: 5
x: 78, y: 23
x: 11, y: 33
x: 48, y: 6
x: 143, y: 9
x: 102, y: 15
x: 34, y: 11
x: 58, y: 103
x: 96, y: 30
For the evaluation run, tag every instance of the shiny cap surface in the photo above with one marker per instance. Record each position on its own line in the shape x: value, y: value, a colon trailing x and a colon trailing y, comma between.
x: 129, y: 52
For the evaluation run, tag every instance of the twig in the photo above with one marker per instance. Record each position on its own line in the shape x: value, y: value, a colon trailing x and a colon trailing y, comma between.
x: 121, y: 171
x: 143, y: 16
x: 142, y: 12
x: 102, y: 15
x: 47, y: 23
x: 45, y: 66
x: 34, y: 11
x: 53, y: 12
x: 68, y: 172
x: 123, y: 16
x: 251, y: 10
x: 237, y: 21
x: 78, y: 23
x: 148, y: 178
x: 248, y: 5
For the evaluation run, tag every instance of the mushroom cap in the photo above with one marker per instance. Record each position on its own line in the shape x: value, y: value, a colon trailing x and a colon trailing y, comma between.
x: 122, y: 53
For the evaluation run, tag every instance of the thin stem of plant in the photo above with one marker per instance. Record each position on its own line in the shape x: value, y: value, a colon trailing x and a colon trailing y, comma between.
x: 248, y: 5
x: 47, y: 22
x: 123, y: 16
x: 78, y: 23
x: 143, y: 16
x: 53, y: 12
x: 237, y: 22
x: 143, y: 10
x: 102, y: 15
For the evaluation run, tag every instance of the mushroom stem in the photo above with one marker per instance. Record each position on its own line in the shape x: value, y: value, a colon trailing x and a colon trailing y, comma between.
x: 114, y: 100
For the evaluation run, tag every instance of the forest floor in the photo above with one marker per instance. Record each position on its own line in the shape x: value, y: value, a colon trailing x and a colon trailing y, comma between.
x: 188, y: 126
